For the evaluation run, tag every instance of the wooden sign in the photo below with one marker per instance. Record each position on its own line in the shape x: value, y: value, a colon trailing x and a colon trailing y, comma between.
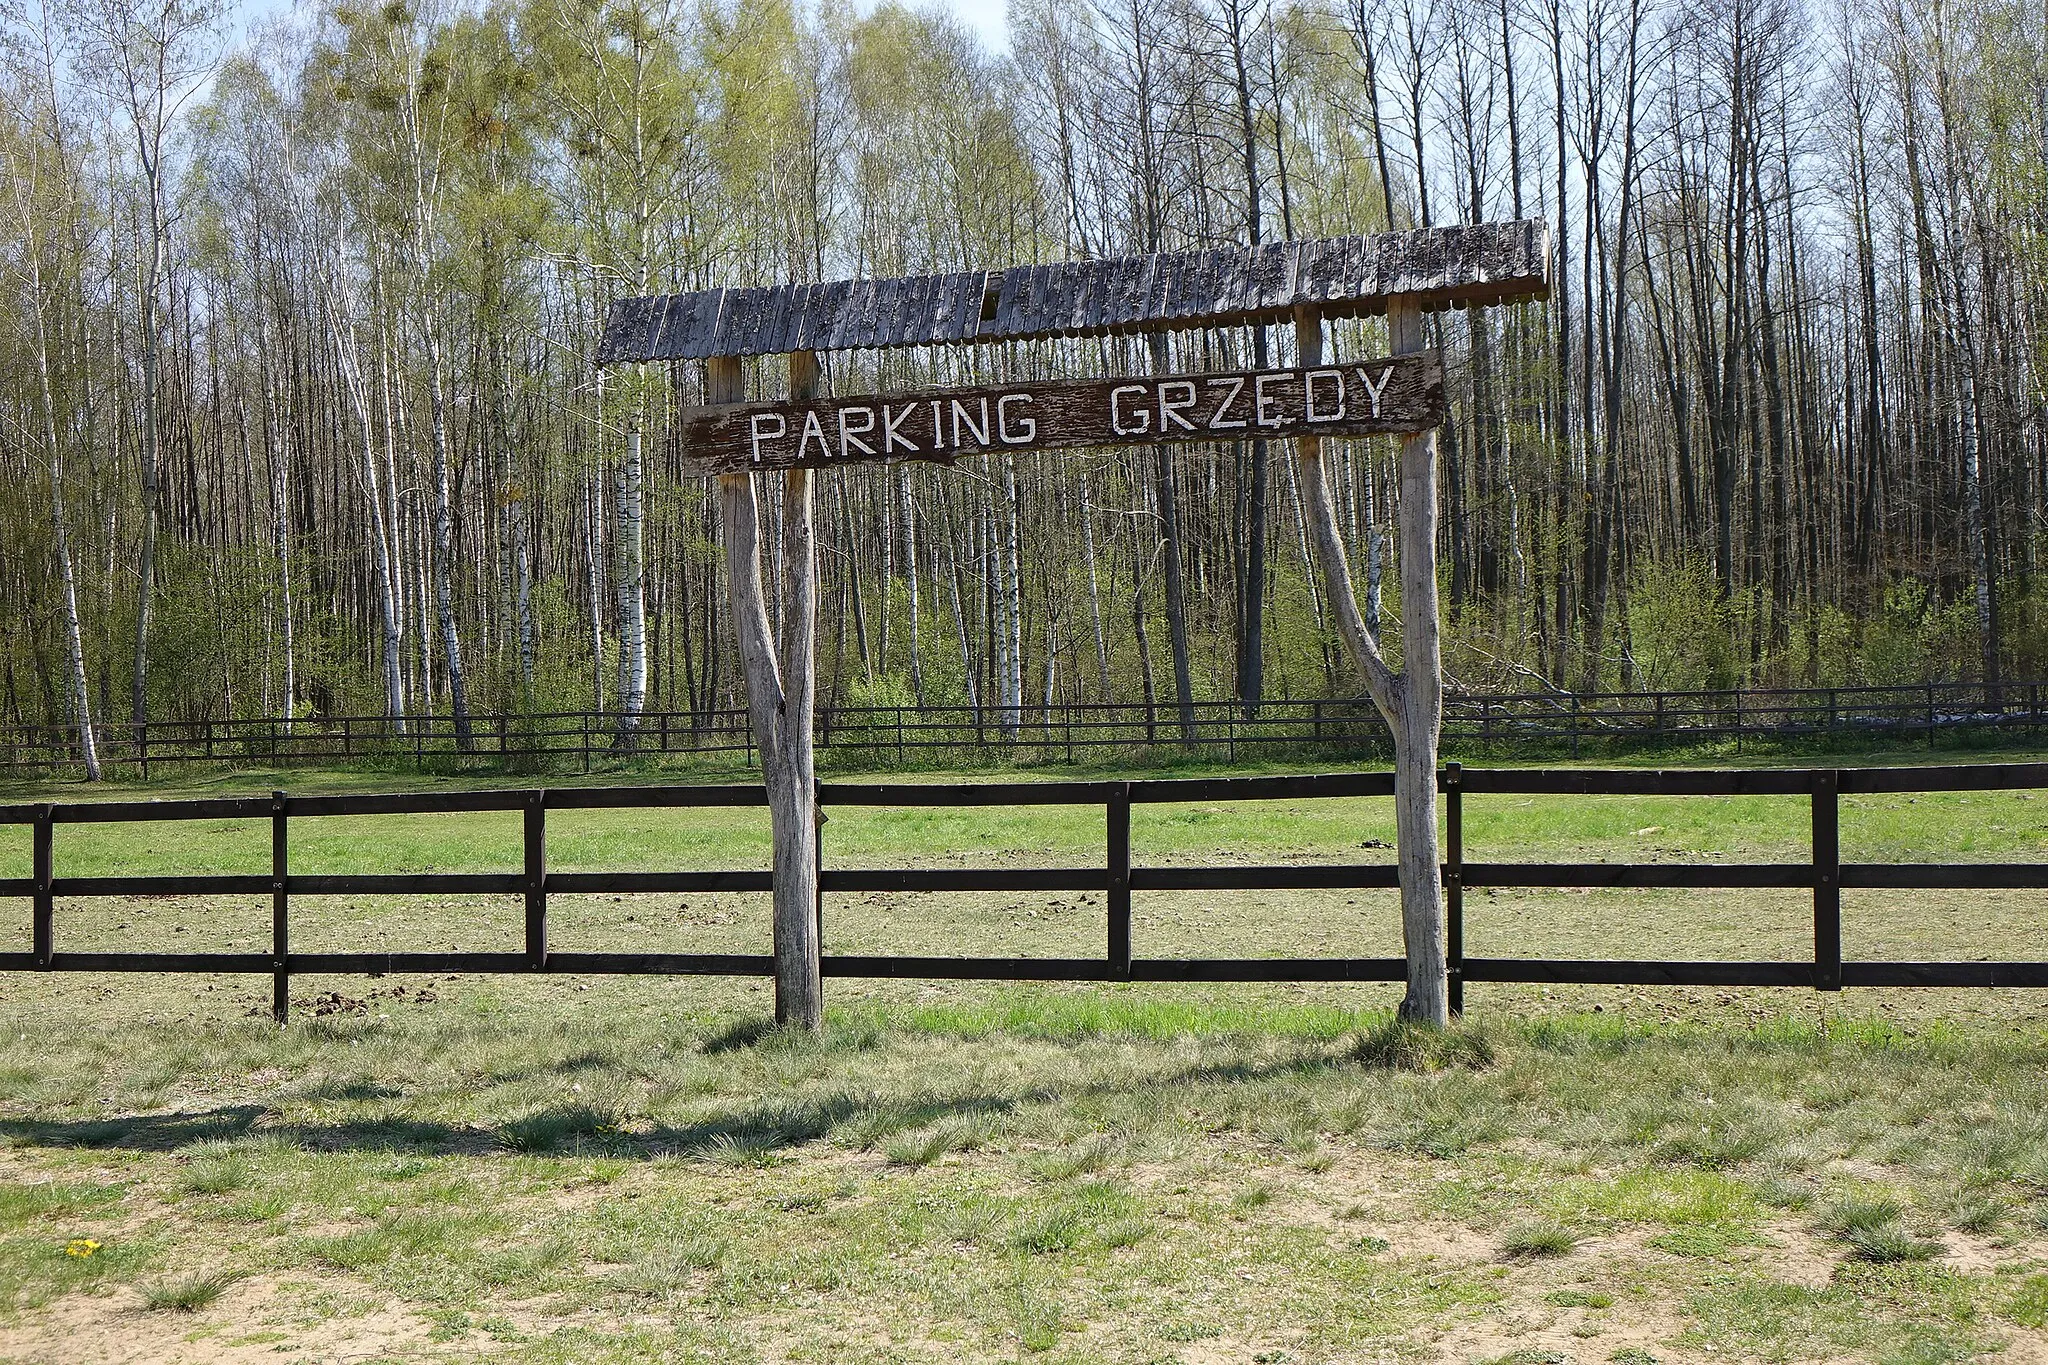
x: 1359, y: 398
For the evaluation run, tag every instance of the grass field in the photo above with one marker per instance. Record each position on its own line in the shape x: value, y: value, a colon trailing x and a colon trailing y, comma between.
x: 636, y: 1170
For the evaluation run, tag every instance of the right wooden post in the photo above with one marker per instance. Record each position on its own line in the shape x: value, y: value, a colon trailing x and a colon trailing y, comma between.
x: 1411, y: 702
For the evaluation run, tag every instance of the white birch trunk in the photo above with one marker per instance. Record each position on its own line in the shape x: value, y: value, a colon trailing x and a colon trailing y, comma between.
x: 444, y: 546
x: 910, y: 578
x: 152, y: 436
x: 1095, y: 595
x: 279, y: 451
x: 967, y: 672
x: 594, y: 509
x: 60, y: 535
x: 522, y: 600
x: 380, y: 533
x: 630, y: 589
x: 1013, y: 606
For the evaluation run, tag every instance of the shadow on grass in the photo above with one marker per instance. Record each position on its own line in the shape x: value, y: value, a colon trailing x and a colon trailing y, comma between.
x: 172, y: 1132
x: 747, y: 1126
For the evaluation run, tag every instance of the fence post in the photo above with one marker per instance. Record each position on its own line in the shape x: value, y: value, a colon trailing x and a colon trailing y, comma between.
x: 44, y: 911
x: 536, y: 841
x: 1575, y: 726
x: 1827, y: 881
x: 818, y: 858
x: 1930, y: 715
x: 1454, y: 883
x: 280, y: 924
x: 1119, y: 841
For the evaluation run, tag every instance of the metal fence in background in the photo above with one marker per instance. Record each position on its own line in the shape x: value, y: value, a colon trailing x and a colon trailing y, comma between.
x: 1536, y: 722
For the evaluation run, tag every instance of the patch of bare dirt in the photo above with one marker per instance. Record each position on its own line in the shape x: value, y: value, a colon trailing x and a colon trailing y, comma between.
x: 249, y: 1323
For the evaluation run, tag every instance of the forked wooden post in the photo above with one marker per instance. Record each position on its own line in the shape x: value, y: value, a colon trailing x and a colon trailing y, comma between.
x: 1412, y: 701
x: 781, y: 693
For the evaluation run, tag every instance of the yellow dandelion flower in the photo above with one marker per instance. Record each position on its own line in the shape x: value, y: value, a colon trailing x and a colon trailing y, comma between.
x: 81, y: 1247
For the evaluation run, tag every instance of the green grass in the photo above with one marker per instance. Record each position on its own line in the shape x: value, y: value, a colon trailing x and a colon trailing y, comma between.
x: 1533, y: 1240
x: 612, y: 1170
x: 187, y: 1293
x: 916, y: 1166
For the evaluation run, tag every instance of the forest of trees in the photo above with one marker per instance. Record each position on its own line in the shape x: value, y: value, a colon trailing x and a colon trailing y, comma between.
x: 301, y: 415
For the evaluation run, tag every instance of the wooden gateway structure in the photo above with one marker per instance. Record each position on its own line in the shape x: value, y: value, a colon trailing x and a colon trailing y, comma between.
x: 1304, y: 283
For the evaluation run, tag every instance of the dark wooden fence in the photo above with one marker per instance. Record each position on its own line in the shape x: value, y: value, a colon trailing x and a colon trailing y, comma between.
x: 1824, y: 874
x: 1538, y: 722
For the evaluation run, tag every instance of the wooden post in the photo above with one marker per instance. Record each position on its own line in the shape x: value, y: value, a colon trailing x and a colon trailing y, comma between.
x: 1119, y: 848
x: 534, y: 828
x: 818, y: 861
x: 1454, y: 880
x: 781, y: 694
x: 43, y: 910
x: 1827, y: 881
x: 1422, y: 709
x: 1412, y: 701
x: 280, y: 913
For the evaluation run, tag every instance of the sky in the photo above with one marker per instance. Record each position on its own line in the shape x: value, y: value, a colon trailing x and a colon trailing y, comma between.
x: 983, y: 16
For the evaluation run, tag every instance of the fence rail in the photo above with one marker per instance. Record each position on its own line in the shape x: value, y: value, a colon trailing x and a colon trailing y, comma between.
x: 1543, y: 721
x: 1823, y: 873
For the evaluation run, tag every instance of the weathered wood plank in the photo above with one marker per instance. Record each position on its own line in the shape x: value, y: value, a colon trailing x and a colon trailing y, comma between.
x: 1274, y: 279
x: 1343, y: 277
x: 1134, y: 282
x: 697, y: 328
x: 907, y: 310
x: 1358, y: 398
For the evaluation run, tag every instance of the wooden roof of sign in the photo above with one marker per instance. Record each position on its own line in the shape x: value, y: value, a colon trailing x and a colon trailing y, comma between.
x: 1342, y: 276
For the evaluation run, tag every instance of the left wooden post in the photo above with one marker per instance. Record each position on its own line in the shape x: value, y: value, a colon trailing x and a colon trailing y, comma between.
x: 781, y: 691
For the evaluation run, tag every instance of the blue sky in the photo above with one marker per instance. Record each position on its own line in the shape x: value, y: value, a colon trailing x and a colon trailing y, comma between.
x: 984, y: 16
